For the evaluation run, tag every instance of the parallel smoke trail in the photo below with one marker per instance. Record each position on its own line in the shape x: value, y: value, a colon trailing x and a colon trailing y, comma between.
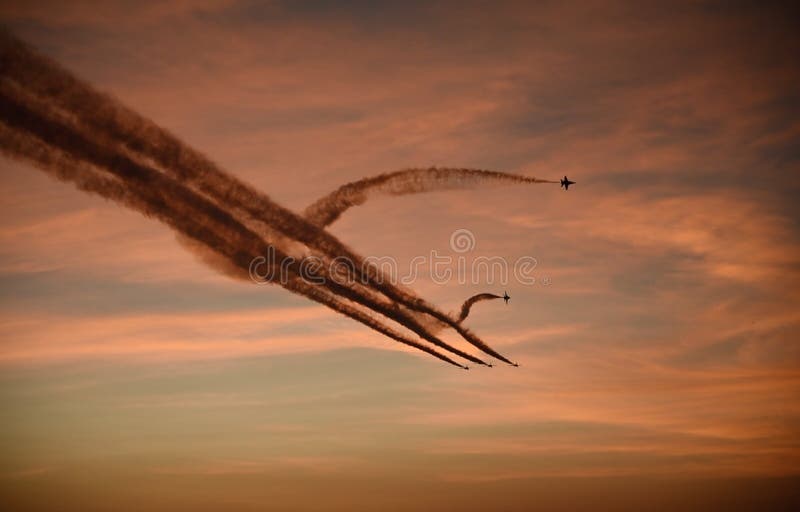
x: 65, y: 167
x: 112, y: 188
x: 472, y: 300
x: 154, y: 194
x: 80, y: 129
x: 327, y: 209
x: 138, y: 135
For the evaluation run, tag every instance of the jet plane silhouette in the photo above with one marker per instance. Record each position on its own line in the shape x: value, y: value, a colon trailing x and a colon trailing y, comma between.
x: 566, y: 183
x: 506, y: 297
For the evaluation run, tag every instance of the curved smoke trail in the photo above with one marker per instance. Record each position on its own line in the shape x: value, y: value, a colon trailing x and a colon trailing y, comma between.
x: 472, y: 300
x: 327, y: 209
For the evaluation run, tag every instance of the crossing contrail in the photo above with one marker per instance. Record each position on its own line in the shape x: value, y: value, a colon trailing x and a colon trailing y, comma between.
x: 65, y: 127
x: 191, y: 223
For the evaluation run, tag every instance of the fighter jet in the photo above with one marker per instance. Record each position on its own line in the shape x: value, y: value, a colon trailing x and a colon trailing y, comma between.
x: 506, y: 297
x: 566, y: 183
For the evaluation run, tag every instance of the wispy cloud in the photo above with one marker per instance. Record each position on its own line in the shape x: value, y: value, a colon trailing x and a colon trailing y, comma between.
x: 664, y: 346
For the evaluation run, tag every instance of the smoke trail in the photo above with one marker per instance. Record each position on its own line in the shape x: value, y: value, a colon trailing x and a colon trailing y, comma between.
x: 327, y: 209
x: 112, y: 120
x: 113, y: 124
x: 153, y: 194
x: 472, y: 300
x: 22, y: 119
x: 66, y: 168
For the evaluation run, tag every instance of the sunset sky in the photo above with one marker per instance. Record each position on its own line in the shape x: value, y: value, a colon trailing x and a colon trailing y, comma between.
x: 659, y: 348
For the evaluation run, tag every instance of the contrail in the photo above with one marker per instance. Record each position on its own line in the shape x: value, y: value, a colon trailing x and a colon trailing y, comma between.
x: 153, y: 194
x: 77, y: 134
x: 121, y: 126
x: 66, y: 168
x: 472, y: 300
x: 327, y: 209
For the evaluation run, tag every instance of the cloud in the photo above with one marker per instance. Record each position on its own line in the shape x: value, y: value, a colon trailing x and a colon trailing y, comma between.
x: 171, y: 336
x: 304, y: 464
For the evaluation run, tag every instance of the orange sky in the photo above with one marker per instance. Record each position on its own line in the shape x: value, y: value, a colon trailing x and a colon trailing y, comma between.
x: 659, y: 364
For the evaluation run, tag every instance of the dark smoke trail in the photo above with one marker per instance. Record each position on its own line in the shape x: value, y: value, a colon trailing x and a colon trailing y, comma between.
x: 65, y: 168
x: 169, y: 195
x: 137, y: 134
x: 136, y: 176
x: 114, y: 124
x: 409, y: 181
x: 472, y: 300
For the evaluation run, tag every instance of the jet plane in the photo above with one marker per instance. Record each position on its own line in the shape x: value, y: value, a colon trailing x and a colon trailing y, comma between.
x: 566, y: 183
x: 506, y: 297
